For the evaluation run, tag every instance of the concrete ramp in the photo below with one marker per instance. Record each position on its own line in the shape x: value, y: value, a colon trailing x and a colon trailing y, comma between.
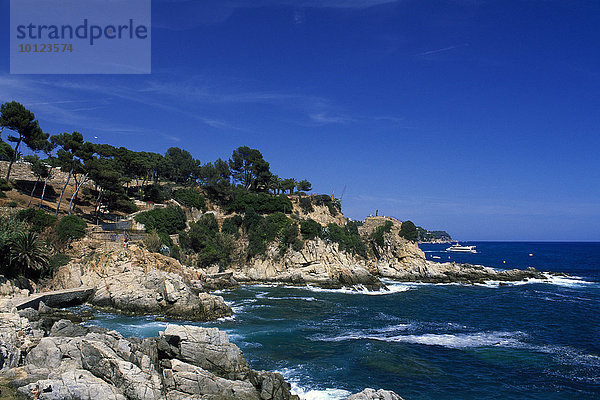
x: 57, y: 298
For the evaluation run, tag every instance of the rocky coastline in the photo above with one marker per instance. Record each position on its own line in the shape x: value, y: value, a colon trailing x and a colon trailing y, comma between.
x: 47, y: 347
x: 68, y: 361
x: 135, y: 281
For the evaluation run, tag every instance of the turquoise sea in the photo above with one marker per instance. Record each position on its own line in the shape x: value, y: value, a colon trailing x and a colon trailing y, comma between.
x: 528, y: 340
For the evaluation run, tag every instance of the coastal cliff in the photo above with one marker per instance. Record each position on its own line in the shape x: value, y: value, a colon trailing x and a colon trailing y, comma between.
x: 403, y: 260
x: 324, y: 263
x: 136, y: 281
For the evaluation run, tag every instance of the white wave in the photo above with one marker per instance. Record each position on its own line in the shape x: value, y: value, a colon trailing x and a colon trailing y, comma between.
x: 315, y: 394
x: 392, y: 287
x: 567, y: 355
x: 224, y: 319
x: 395, y: 328
x: 453, y: 341
x: 147, y: 325
x: 237, y: 309
x: 293, y: 298
x: 569, y: 281
x: 293, y: 376
x: 397, y: 287
x: 565, y: 281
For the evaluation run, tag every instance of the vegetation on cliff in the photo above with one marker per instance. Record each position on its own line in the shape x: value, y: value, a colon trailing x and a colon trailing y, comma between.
x: 251, y: 207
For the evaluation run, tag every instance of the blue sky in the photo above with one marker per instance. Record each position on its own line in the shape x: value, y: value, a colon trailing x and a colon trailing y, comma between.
x: 477, y: 117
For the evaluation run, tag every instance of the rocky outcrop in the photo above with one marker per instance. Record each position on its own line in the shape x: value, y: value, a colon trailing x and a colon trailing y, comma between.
x: 433, y: 272
x: 317, y: 263
x: 73, y: 362
x: 403, y: 260
x: 183, y: 362
x: 136, y: 281
x: 17, y: 287
x: 207, y: 348
x: 372, y: 394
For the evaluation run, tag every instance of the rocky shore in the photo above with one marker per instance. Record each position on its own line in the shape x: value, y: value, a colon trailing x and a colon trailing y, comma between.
x: 73, y: 362
x: 323, y: 264
x: 46, y: 347
x: 135, y: 281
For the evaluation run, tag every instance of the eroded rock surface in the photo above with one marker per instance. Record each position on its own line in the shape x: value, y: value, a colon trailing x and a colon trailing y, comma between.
x: 85, y: 363
x: 372, y: 394
x: 136, y: 281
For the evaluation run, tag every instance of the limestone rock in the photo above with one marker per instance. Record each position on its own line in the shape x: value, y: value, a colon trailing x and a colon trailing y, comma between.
x: 15, y: 340
x: 65, y: 327
x: 317, y: 263
x: 372, y: 394
x: 29, y: 313
x: 209, y: 349
x: 85, y: 363
x: 103, y: 362
x: 271, y: 385
x: 187, y: 379
x: 139, y: 282
x: 74, y: 385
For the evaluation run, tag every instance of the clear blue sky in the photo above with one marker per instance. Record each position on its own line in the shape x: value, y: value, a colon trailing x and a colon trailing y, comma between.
x: 478, y: 117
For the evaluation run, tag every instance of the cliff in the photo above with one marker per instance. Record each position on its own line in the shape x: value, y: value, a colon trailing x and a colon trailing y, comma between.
x: 134, y: 280
x: 339, y: 254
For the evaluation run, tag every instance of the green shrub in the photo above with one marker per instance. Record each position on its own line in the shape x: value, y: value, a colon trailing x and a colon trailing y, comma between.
x: 161, y: 243
x: 156, y: 193
x: 12, y: 204
x: 70, y: 227
x: 333, y: 205
x: 175, y: 252
x: 204, y: 239
x: 409, y: 231
x: 125, y: 205
x: 58, y: 260
x: 37, y: 219
x: 165, y: 239
x: 264, y: 230
x: 262, y: 203
x: 306, y: 205
x: 286, y: 232
x: 310, y: 229
x: 169, y: 220
x: 5, y: 186
x: 190, y: 198
x: 347, y: 238
x: 152, y: 242
x: 232, y: 225
x: 27, y: 252
x: 377, y: 235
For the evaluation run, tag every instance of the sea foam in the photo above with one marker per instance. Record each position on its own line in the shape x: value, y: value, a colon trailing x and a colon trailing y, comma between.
x: 306, y: 392
x: 449, y: 340
x: 565, y: 281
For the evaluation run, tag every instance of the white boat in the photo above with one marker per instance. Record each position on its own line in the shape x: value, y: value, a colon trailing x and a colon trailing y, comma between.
x: 461, y: 249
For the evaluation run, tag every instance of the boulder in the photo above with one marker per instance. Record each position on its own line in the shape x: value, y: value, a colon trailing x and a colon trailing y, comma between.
x: 271, y: 385
x: 372, y: 394
x: 104, y: 363
x: 77, y: 384
x: 135, y: 281
x: 207, y: 348
x: 186, y: 379
x: 64, y: 327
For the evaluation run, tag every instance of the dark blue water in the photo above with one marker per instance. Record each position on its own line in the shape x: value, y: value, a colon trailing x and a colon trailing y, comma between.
x: 525, y: 341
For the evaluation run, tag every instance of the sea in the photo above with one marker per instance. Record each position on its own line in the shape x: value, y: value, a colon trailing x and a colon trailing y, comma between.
x: 538, y: 339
